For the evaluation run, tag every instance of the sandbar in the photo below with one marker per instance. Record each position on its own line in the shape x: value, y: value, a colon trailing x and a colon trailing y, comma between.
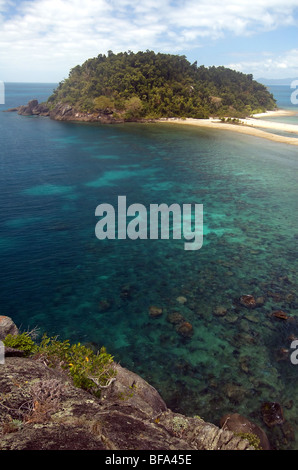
x: 277, y: 112
x: 250, y: 126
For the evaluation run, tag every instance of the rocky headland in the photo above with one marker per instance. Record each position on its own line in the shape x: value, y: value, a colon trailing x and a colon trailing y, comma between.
x: 63, y: 112
x: 41, y: 409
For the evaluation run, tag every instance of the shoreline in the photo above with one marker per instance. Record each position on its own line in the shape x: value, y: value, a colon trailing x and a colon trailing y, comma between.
x: 276, y: 112
x: 248, y: 126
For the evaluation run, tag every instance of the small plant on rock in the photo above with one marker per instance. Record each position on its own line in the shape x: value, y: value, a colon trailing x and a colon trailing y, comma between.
x: 251, y: 438
x: 180, y: 424
x: 23, y: 342
x: 45, y: 395
x: 89, y: 370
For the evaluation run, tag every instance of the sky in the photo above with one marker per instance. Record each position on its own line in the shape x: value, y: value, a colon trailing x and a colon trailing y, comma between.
x: 41, y: 40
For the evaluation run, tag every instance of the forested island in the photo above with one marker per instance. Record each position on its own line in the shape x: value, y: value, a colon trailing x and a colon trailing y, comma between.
x: 146, y: 85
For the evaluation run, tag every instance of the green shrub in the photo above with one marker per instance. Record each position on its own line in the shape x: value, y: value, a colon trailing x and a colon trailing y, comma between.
x: 89, y: 370
x: 22, y: 342
x: 53, y: 351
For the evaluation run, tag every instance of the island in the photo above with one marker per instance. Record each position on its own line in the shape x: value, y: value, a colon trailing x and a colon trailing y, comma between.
x: 157, y: 87
x: 146, y: 85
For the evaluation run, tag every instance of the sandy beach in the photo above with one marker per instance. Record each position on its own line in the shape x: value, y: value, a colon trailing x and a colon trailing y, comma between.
x: 277, y: 113
x: 252, y: 126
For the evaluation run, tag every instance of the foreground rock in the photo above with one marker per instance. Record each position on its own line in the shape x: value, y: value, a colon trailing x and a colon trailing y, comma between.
x: 7, y: 327
x: 239, y: 424
x: 41, y: 409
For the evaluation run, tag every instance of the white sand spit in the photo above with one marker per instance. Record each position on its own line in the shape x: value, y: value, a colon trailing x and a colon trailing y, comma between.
x: 250, y: 126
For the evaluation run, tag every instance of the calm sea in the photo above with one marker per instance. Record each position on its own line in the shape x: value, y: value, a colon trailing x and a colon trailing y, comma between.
x: 285, y: 97
x: 56, y: 275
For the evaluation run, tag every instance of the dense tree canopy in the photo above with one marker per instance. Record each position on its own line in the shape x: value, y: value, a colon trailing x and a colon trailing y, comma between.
x: 152, y: 85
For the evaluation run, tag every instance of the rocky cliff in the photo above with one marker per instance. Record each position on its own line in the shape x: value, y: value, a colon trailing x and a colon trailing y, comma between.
x: 41, y: 409
x: 63, y: 112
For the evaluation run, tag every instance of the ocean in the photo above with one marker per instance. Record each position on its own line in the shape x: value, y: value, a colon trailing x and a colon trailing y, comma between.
x: 56, y: 275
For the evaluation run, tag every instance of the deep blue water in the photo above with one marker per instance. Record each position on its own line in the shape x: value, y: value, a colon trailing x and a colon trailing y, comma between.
x: 56, y: 275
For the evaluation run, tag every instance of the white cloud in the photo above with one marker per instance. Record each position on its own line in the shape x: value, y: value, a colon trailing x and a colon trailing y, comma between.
x: 45, y: 38
x: 270, y: 67
x: 237, y: 16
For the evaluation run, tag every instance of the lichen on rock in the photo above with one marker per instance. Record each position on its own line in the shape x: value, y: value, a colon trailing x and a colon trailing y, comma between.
x: 42, y: 409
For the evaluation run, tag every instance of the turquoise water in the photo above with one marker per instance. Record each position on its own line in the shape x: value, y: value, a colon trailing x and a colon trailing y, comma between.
x: 283, y: 96
x: 55, y: 273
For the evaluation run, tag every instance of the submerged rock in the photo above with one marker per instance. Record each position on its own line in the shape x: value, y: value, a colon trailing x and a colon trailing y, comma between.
x: 231, y: 318
x: 248, y: 301
x: 155, y: 311
x: 126, y: 292
x: 280, y: 314
x: 272, y: 414
x: 175, y: 318
x: 276, y: 296
x: 252, y: 318
x: 244, y: 364
x: 260, y: 301
x: 185, y: 329
x: 282, y: 354
x: 234, y: 392
x: 220, y: 311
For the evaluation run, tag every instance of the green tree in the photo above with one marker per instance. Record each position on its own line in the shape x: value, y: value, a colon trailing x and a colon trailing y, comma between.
x: 103, y: 103
x: 133, y: 107
x: 148, y: 84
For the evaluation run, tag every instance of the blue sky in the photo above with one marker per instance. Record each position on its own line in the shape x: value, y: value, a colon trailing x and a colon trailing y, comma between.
x: 41, y: 40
